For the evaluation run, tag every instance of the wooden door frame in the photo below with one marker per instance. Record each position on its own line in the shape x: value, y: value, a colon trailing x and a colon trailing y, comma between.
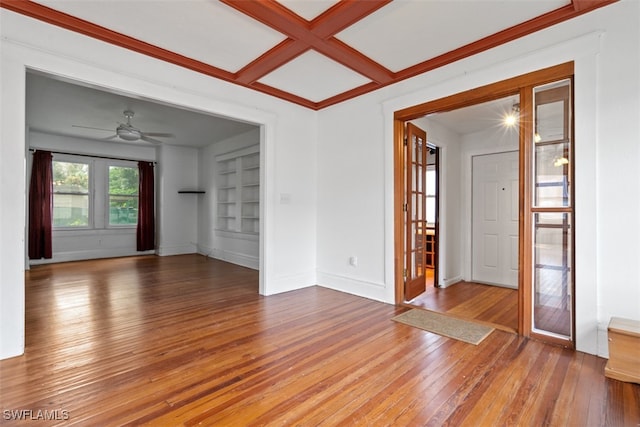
x: 521, y: 85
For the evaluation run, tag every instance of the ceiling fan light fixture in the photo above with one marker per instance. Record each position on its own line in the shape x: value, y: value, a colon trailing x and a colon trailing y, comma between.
x: 128, y: 134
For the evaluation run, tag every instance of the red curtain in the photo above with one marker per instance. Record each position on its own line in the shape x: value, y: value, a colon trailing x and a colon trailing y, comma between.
x: 145, y: 234
x: 41, y: 206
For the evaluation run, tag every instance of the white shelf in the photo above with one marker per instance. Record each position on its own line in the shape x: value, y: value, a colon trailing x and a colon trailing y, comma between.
x: 238, y: 179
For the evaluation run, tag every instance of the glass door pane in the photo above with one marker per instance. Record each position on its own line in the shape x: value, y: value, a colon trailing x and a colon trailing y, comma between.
x: 417, y: 206
x: 552, y: 175
x: 552, y: 279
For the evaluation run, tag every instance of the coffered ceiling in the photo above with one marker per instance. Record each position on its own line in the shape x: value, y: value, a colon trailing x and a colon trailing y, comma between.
x: 315, y: 53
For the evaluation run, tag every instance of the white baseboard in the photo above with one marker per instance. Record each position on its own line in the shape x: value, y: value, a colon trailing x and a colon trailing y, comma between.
x: 603, y: 341
x: 238, y: 258
x: 451, y: 281
x: 89, y: 254
x: 292, y: 282
x: 177, y: 250
x: 363, y: 288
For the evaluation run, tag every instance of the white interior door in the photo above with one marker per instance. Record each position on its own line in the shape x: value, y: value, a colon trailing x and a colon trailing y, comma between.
x: 495, y: 219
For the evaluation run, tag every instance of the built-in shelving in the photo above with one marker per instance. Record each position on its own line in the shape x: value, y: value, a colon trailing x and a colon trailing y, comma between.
x: 238, y: 205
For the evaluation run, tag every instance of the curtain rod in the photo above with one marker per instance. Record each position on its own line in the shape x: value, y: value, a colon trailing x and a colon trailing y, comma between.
x: 92, y: 155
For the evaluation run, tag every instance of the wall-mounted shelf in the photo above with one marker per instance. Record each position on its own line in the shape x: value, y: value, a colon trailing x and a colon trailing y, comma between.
x: 191, y: 192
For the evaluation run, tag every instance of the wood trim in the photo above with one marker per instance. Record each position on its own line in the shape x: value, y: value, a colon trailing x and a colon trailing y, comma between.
x: 485, y: 93
x: 317, y: 34
x: 522, y: 85
x: 525, y: 273
x: 552, y: 339
x: 398, y: 214
x: 564, y: 209
x: 269, y: 61
x: 303, y: 35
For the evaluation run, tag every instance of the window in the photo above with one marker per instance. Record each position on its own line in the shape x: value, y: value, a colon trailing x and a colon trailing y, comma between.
x: 552, y: 210
x: 71, y: 194
x: 123, y: 195
x: 94, y: 194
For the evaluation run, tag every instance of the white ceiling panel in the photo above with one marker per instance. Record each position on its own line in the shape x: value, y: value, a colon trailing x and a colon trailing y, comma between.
x: 206, y: 30
x: 407, y: 32
x: 314, y: 76
x: 479, y: 117
x: 307, y: 9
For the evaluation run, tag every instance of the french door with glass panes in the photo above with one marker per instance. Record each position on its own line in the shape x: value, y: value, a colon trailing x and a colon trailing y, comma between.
x: 415, y: 208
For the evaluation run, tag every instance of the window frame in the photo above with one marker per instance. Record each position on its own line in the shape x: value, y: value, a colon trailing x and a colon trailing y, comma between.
x: 66, y: 158
x: 98, y: 194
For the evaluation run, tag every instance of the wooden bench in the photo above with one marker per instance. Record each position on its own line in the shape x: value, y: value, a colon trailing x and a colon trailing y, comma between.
x: 624, y: 350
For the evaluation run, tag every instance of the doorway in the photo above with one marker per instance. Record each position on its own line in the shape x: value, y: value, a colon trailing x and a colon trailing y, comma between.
x: 471, y: 298
x: 536, y: 90
x: 494, y: 217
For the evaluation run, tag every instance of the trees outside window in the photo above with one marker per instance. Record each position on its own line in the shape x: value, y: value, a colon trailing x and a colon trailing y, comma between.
x: 71, y: 191
x: 123, y: 195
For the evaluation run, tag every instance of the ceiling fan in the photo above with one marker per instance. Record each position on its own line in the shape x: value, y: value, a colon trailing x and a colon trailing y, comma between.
x: 128, y: 132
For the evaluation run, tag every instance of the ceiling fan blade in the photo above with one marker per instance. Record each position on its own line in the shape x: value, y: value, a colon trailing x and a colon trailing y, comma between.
x: 151, y: 140
x: 165, y: 135
x: 89, y: 127
x: 111, y: 137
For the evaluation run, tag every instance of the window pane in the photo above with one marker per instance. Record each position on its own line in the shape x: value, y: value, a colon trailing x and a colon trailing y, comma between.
x: 70, y: 177
x: 552, y: 273
x: 70, y: 194
x: 552, y: 175
x: 123, y: 195
x: 123, y: 180
x: 70, y: 210
x: 431, y: 182
x: 552, y: 141
x: 123, y: 210
x: 431, y: 210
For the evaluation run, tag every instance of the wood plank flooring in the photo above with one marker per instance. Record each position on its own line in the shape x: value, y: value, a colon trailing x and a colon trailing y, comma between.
x: 187, y: 340
x: 491, y: 305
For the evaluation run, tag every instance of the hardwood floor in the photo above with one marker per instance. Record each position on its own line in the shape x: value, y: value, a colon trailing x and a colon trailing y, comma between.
x: 187, y: 340
x: 492, y: 305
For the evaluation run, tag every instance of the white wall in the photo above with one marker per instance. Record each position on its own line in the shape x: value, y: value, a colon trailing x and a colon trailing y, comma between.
x: 177, y: 214
x: 288, y: 141
x: 355, y: 163
x: 233, y: 247
x: 351, y: 199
